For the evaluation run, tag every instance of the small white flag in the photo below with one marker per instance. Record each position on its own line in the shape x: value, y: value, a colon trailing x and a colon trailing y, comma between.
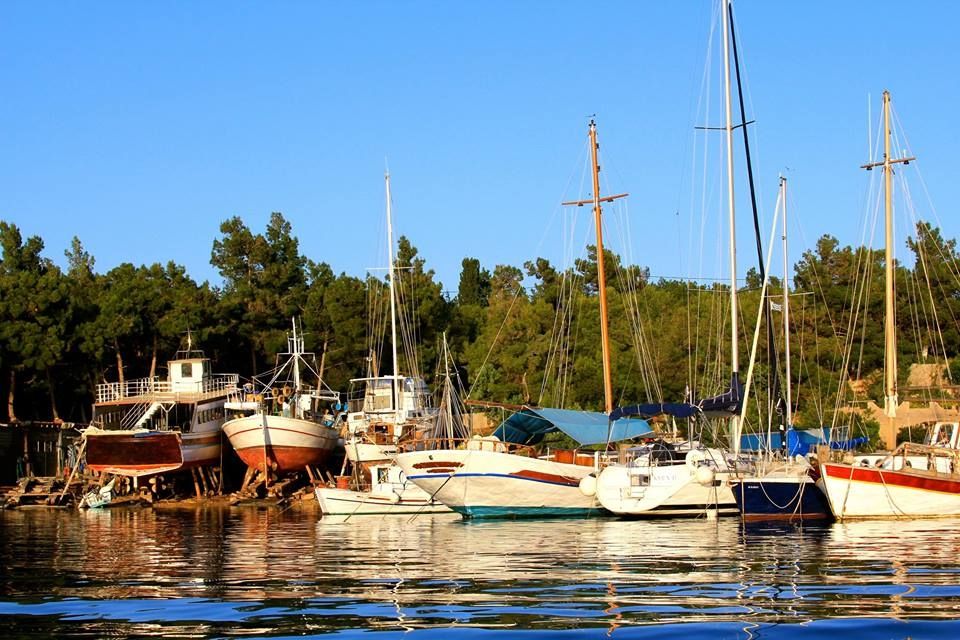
x: 775, y: 307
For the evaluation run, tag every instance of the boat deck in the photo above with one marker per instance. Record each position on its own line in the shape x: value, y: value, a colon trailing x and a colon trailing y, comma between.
x: 164, y: 396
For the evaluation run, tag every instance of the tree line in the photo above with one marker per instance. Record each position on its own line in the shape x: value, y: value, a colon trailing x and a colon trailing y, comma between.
x: 522, y: 334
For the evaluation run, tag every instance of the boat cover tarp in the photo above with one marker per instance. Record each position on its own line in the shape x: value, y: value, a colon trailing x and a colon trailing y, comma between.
x: 726, y: 404
x: 675, y: 409
x: 528, y: 426
x: 799, y: 442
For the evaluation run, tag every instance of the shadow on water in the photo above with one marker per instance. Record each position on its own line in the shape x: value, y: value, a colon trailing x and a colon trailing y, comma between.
x: 254, y: 572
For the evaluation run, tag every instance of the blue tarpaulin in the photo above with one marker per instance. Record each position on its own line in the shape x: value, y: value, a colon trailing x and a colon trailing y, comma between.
x: 799, y: 442
x: 528, y: 426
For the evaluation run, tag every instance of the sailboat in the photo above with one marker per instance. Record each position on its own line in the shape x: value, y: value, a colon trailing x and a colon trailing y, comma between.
x: 914, y: 480
x: 690, y: 480
x: 390, y: 492
x: 387, y: 408
x: 283, y: 424
x: 781, y: 487
x: 505, y: 475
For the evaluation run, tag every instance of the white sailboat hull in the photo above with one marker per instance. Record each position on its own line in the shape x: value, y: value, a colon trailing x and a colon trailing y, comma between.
x: 865, y: 492
x: 669, y: 490
x: 341, y: 504
x: 481, y: 483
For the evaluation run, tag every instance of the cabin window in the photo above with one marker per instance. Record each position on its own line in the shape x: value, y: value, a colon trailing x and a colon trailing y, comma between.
x: 945, y: 437
x: 186, y: 370
x: 382, y: 476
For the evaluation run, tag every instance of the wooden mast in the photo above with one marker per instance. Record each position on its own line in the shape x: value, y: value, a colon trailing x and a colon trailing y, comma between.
x: 601, y: 273
x: 890, y: 401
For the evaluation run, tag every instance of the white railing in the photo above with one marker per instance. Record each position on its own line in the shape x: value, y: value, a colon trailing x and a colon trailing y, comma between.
x: 145, y: 387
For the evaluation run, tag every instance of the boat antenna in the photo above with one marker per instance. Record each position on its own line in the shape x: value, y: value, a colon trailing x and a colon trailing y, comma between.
x: 601, y: 273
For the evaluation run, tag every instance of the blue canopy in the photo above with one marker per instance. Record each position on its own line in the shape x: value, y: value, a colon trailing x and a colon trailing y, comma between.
x: 528, y: 426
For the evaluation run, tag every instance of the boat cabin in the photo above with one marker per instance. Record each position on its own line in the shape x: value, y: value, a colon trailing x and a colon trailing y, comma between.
x: 944, y: 434
x: 188, y: 374
x: 375, y: 398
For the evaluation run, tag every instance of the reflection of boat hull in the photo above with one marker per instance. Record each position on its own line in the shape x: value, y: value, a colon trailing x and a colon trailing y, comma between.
x: 781, y: 498
x: 670, y: 491
x: 490, y: 484
x: 346, y: 503
x: 286, y: 443
x: 864, y: 492
x: 137, y: 452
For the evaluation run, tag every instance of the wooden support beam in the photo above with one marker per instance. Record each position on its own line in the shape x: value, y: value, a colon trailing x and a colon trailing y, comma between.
x: 196, y: 485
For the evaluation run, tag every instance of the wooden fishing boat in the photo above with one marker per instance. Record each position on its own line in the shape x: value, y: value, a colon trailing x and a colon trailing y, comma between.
x: 147, y: 426
x: 282, y: 424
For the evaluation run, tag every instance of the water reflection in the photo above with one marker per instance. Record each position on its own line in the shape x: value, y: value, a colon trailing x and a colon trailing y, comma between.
x: 267, y: 572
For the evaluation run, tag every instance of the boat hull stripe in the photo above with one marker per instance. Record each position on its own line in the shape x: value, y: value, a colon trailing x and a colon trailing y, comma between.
x: 529, y: 476
x: 892, y: 478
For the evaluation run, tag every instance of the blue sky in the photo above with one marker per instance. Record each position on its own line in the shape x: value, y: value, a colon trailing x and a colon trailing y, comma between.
x: 139, y: 127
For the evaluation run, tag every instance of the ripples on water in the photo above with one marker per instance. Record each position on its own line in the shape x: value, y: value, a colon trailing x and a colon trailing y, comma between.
x: 256, y: 572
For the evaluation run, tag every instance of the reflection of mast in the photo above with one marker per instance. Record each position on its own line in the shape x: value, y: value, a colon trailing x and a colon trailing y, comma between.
x: 601, y: 273
x: 890, y: 401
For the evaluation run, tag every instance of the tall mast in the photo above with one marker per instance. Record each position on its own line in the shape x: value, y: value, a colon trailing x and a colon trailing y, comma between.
x: 734, y: 347
x: 772, y: 363
x: 890, y: 401
x: 393, y: 297
x: 296, y: 351
x: 788, y: 417
x: 447, y: 390
x: 601, y: 273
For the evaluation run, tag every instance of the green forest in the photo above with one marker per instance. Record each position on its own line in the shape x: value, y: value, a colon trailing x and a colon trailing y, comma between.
x: 522, y: 334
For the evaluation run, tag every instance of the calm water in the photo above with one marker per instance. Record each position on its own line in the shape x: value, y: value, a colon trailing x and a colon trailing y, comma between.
x: 246, y: 572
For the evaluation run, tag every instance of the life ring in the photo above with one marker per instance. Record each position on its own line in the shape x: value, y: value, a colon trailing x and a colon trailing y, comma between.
x: 287, y: 391
x: 275, y: 393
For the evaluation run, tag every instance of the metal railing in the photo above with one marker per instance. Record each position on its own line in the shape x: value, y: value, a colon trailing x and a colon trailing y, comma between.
x: 145, y: 387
